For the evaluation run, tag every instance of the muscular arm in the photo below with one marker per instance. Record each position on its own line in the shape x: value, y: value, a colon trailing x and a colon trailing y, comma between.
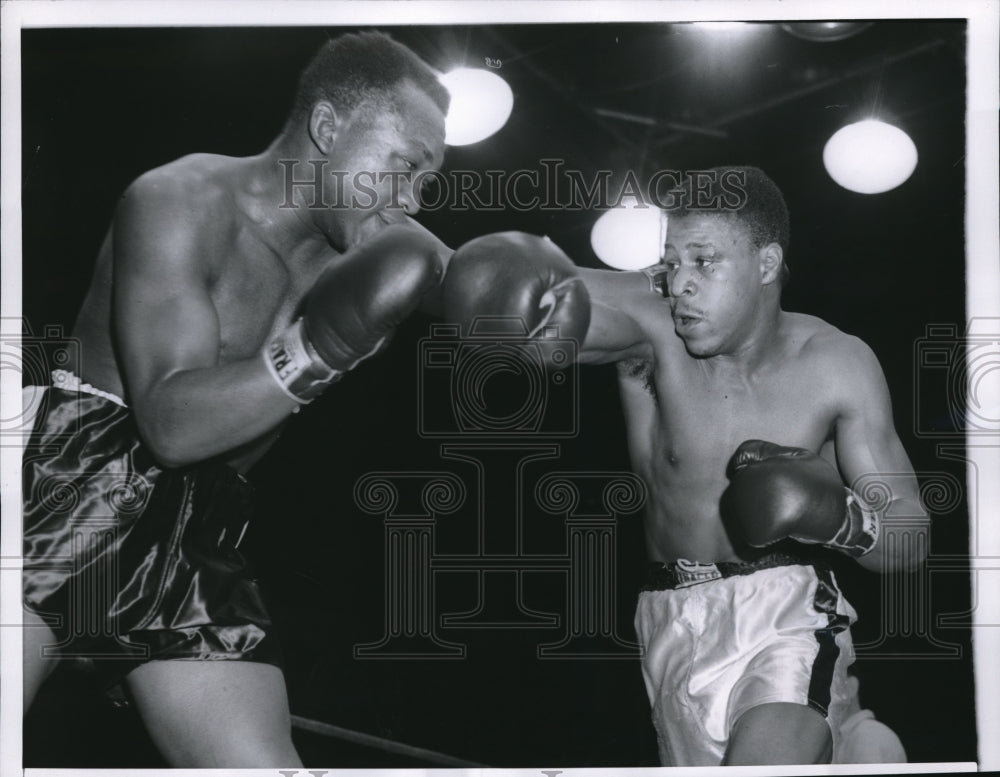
x: 188, y: 406
x: 869, y: 453
x: 620, y: 301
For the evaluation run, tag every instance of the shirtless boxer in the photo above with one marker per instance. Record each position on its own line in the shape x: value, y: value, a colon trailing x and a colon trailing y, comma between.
x: 747, y: 423
x: 215, y: 312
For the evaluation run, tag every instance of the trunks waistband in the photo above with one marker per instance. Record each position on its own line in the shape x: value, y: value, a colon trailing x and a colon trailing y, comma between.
x: 683, y: 573
x: 70, y: 381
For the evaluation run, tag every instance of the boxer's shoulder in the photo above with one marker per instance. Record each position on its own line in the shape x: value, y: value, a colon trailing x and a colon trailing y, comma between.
x: 184, y: 208
x: 808, y: 337
x: 840, y: 361
x: 198, y: 184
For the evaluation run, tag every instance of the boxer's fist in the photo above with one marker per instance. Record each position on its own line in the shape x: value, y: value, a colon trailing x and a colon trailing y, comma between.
x: 516, y: 275
x: 777, y: 492
x: 360, y: 298
x: 352, y: 309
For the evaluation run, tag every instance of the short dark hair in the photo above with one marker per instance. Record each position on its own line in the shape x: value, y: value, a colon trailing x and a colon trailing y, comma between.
x: 356, y: 69
x: 743, y: 193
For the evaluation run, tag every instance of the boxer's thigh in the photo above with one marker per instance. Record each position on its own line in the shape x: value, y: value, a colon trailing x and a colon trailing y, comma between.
x: 37, y: 666
x: 215, y: 714
x: 779, y: 733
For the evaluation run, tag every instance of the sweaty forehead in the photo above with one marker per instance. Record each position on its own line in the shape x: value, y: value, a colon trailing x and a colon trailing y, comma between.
x: 701, y: 228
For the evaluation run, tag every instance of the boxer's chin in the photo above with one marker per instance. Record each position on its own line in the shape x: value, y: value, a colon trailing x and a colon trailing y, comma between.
x: 699, y: 345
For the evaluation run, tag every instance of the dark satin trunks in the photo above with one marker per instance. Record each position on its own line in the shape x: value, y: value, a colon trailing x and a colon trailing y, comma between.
x: 128, y: 562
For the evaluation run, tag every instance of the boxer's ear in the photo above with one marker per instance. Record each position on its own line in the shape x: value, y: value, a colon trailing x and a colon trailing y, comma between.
x: 324, y: 122
x: 770, y: 263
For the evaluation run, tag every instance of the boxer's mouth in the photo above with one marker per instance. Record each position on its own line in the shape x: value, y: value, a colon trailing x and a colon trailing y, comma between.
x: 687, y: 317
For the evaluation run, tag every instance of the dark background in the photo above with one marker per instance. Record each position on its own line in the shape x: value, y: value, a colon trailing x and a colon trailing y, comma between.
x: 101, y: 106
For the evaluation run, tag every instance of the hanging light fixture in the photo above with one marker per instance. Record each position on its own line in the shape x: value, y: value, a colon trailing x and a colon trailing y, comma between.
x: 630, y: 236
x: 870, y: 156
x: 481, y: 102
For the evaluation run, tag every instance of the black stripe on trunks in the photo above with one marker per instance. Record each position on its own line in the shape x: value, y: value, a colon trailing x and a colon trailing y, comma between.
x: 821, y: 676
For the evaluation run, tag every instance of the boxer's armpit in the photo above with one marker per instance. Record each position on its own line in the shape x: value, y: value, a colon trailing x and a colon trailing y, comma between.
x: 640, y: 370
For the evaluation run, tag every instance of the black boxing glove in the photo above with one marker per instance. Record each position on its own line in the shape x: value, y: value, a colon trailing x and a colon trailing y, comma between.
x: 776, y: 492
x: 517, y: 276
x: 353, y: 307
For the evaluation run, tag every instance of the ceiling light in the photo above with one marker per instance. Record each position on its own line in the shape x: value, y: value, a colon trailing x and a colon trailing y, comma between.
x: 481, y: 102
x: 870, y: 157
x: 629, y: 237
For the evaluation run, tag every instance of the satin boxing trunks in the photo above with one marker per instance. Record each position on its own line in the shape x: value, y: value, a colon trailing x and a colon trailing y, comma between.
x: 720, y: 639
x: 128, y: 562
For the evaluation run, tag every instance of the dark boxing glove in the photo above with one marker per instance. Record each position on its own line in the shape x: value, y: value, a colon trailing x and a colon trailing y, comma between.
x: 515, y: 275
x: 777, y: 492
x: 353, y: 307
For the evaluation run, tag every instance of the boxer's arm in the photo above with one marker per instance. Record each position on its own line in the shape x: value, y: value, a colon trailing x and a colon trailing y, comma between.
x: 869, y: 452
x: 620, y: 303
x: 188, y: 406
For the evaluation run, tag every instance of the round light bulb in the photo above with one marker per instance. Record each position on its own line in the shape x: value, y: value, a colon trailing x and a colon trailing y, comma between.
x: 481, y: 102
x: 870, y: 157
x: 629, y: 237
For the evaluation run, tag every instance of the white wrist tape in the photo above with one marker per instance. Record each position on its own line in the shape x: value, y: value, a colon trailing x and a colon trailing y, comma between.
x: 295, y: 365
x: 861, y: 528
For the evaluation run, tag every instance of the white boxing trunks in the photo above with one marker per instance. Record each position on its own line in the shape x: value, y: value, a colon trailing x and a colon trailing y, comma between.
x: 723, y: 638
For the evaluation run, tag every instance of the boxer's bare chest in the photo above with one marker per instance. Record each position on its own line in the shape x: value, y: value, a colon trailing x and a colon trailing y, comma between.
x: 685, y: 424
x: 695, y: 416
x: 258, y: 291
x: 703, y: 417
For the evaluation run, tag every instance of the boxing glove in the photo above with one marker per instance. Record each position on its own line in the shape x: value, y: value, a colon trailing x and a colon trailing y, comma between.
x: 776, y: 492
x: 353, y: 308
x: 514, y: 275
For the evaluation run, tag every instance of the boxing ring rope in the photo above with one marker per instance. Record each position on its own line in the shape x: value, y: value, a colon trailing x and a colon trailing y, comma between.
x: 380, y: 743
x: 411, y: 563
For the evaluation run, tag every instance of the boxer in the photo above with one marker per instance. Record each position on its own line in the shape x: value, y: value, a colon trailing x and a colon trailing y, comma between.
x: 748, y: 425
x: 218, y: 309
